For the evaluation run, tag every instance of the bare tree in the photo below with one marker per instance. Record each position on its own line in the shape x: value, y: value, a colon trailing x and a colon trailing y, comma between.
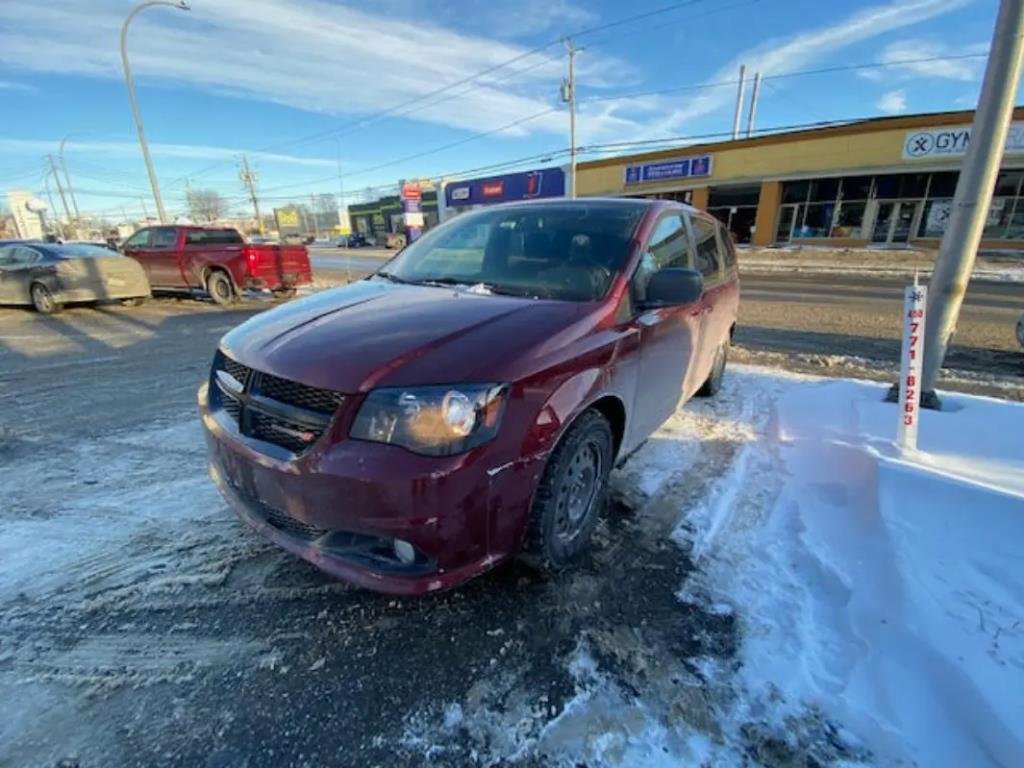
x: 206, y: 205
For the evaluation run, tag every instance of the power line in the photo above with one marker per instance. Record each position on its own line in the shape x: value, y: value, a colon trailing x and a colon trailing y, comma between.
x: 462, y: 81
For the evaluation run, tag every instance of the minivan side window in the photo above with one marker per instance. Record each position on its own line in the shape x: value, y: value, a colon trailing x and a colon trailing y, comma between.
x: 707, y: 258
x: 668, y: 246
x: 164, y: 237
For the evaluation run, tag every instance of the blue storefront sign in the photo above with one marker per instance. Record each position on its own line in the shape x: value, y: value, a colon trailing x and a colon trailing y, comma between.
x: 526, y: 185
x: 679, y: 168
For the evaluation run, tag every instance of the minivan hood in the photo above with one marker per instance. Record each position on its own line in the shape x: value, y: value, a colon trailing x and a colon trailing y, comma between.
x: 373, y: 333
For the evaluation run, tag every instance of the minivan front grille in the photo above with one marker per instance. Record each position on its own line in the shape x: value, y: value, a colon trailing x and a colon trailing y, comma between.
x: 268, y: 408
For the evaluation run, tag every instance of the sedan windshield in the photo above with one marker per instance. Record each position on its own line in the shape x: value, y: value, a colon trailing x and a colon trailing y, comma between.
x: 568, y: 251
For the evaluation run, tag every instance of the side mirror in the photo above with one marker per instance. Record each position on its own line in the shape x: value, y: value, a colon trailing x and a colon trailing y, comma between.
x: 674, y: 287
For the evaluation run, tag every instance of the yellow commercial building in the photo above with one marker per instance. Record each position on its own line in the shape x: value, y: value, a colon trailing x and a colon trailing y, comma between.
x: 884, y: 182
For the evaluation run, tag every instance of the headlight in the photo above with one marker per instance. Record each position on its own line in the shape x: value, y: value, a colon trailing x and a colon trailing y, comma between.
x: 436, y: 421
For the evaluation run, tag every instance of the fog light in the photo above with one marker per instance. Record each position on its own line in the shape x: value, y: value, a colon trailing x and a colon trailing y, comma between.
x: 404, y: 551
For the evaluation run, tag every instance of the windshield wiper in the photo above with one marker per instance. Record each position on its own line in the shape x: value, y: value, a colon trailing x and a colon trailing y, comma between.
x: 392, y: 277
x: 497, y: 290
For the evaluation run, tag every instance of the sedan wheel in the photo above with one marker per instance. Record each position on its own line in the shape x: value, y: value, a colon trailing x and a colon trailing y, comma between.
x: 571, y: 494
x: 43, y: 300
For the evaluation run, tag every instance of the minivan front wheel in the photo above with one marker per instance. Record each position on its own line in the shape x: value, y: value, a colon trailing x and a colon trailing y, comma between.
x: 714, y: 381
x: 571, y: 494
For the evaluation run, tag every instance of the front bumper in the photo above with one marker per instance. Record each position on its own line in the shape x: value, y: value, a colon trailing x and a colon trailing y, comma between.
x: 342, y: 504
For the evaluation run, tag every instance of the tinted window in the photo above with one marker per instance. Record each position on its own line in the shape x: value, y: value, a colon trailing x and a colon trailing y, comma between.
x: 139, y: 240
x: 727, y: 249
x: 212, y: 237
x: 567, y: 251
x: 707, y: 258
x: 669, y: 246
x: 6, y: 254
x: 164, y: 237
x: 81, y: 251
x: 23, y: 255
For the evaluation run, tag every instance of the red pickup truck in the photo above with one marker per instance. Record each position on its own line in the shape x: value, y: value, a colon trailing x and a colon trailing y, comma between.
x: 217, y: 261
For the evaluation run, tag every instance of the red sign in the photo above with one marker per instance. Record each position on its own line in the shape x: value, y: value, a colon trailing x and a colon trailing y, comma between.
x: 411, y: 191
x: 492, y: 188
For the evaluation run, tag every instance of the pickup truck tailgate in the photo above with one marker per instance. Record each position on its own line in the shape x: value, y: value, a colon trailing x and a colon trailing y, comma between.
x: 279, y: 264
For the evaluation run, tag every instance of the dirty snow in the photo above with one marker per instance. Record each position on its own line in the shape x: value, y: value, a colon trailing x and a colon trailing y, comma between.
x: 828, y: 602
x: 880, y: 597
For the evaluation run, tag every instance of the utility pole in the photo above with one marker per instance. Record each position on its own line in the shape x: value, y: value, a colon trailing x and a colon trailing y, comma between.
x: 974, y: 188
x: 67, y: 178
x: 569, y: 97
x: 316, y: 217
x: 754, y: 93
x: 249, y: 179
x: 49, y: 196
x: 181, y: 5
x: 739, y: 103
x: 60, y: 189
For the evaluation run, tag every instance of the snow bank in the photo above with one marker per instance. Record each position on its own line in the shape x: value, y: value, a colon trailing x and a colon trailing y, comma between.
x: 886, y: 590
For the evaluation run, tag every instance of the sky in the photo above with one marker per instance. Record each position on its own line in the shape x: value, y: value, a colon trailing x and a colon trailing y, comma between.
x: 300, y: 86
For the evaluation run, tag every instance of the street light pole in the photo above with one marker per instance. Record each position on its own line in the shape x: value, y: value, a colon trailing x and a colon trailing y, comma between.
x: 973, y: 194
x: 180, y: 5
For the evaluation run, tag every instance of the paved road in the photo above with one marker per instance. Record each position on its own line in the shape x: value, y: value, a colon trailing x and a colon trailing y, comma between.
x: 153, y: 628
x: 830, y: 315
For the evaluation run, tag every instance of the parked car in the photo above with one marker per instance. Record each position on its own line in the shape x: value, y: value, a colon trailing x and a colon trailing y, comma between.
x: 178, y: 258
x: 468, y: 402
x: 358, y: 240
x: 50, y: 275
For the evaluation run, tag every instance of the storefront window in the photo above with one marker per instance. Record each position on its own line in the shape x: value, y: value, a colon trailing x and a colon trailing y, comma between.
x: 824, y: 190
x: 1000, y: 212
x: 817, y: 220
x: 857, y: 187
x: 849, y: 220
x: 935, y: 218
x: 794, y: 191
x: 943, y: 184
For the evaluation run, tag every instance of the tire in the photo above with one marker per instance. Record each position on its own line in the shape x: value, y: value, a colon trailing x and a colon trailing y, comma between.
x: 43, y: 300
x: 219, y: 286
x: 283, y: 294
x: 571, y: 494
x: 714, y: 381
x: 1020, y: 331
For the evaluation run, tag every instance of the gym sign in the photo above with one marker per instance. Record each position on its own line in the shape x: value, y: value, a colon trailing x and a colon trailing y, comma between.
x: 952, y: 142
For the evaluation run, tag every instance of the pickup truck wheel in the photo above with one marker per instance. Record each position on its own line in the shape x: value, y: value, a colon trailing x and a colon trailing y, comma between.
x: 218, y: 285
x: 571, y: 494
x: 714, y: 381
x: 43, y: 300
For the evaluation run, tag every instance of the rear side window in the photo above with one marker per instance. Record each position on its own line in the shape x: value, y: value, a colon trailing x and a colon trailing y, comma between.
x: 707, y: 260
x: 727, y: 249
x: 23, y: 255
x: 213, y: 237
x: 164, y: 237
x: 669, y: 246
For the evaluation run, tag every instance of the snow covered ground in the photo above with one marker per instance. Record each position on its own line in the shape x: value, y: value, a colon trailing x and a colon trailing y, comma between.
x: 775, y: 586
x: 879, y: 597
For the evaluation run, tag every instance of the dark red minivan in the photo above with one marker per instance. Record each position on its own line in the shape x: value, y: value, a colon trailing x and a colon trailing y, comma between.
x: 468, y: 401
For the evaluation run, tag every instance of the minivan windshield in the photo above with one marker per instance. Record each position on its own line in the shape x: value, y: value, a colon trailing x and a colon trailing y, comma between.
x: 566, y: 251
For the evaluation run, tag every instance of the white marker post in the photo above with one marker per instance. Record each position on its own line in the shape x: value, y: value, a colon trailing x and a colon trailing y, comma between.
x: 914, y: 301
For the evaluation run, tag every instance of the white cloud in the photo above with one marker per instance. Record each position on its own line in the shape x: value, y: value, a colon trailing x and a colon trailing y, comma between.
x: 309, y: 54
x: 892, y: 102
x: 912, y: 51
x: 794, y: 53
x: 131, y: 149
